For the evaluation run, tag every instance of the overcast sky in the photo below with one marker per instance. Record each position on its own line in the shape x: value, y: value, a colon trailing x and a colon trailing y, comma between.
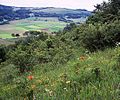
x: 83, y: 4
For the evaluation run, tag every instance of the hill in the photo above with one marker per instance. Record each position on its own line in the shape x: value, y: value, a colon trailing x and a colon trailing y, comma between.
x: 82, y: 62
x: 8, y: 13
x: 89, y: 76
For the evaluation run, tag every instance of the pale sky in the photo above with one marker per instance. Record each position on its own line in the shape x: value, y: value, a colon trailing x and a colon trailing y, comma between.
x: 74, y: 4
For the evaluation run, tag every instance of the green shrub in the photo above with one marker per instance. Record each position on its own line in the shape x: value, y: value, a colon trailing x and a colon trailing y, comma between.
x: 22, y: 58
x: 2, y: 53
x: 8, y: 73
x: 94, y: 36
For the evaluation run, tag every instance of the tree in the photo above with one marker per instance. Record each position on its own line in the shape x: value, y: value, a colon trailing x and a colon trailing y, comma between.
x: 17, y: 35
x: 13, y: 35
x: 106, y: 12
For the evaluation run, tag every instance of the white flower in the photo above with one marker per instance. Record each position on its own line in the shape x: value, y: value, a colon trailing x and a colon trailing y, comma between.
x: 67, y: 82
x: 47, y: 90
x: 65, y: 89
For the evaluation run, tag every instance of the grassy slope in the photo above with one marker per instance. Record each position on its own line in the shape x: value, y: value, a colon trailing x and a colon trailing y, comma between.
x: 76, y: 79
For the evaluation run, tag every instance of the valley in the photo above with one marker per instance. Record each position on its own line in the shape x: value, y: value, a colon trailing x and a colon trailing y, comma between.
x: 44, y: 24
x: 17, y: 20
x: 29, y: 24
x: 53, y: 53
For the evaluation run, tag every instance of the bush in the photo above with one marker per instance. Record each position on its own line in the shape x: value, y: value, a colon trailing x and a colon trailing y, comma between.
x: 93, y: 37
x: 22, y: 58
x: 2, y: 53
x: 101, y: 36
x: 8, y: 73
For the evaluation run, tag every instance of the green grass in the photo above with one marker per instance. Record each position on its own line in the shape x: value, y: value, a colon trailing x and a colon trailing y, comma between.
x: 29, y: 24
x: 5, y: 35
x: 20, y: 26
x: 77, y: 80
x: 38, y: 25
x: 41, y: 24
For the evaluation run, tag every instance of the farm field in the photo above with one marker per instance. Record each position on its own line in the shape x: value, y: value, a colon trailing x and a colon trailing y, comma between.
x: 39, y: 24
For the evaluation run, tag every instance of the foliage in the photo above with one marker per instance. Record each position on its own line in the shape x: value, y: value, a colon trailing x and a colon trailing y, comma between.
x: 61, y: 67
x: 22, y: 59
x: 100, y: 36
x: 95, y: 74
x: 69, y: 27
x: 93, y: 37
x: 2, y: 53
x: 106, y: 12
x: 41, y: 49
x: 12, y: 13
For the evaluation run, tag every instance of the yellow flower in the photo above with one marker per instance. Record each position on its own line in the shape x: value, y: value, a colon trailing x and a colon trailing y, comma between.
x: 33, y: 86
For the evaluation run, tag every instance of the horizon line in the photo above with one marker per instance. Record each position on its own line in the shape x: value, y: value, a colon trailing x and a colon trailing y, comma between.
x: 44, y: 7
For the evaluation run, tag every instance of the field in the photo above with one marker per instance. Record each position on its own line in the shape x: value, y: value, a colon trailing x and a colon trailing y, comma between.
x: 39, y: 24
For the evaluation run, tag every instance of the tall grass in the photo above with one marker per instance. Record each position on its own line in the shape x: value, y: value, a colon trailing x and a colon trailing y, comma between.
x: 94, y: 76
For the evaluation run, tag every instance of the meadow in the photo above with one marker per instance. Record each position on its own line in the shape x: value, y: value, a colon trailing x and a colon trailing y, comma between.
x: 82, y: 62
x: 92, y: 76
x: 38, y: 24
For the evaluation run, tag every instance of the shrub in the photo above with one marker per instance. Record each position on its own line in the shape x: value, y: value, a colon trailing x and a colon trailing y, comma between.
x: 22, y: 58
x: 8, y: 73
x: 3, y: 50
x: 101, y: 36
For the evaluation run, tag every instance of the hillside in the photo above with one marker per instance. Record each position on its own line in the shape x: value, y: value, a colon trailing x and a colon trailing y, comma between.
x: 8, y: 13
x: 81, y: 62
x: 94, y: 76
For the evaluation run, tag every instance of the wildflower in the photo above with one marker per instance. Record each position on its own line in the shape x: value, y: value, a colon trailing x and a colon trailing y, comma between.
x: 82, y: 58
x: 65, y: 89
x: 30, y: 77
x: 50, y: 93
x: 33, y: 86
x: 47, y: 90
x: 67, y: 82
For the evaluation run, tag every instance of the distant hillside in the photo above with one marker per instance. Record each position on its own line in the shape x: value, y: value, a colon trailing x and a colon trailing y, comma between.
x: 8, y: 13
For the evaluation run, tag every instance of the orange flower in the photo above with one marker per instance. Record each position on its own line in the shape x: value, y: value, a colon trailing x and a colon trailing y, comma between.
x: 82, y: 58
x: 30, y: 77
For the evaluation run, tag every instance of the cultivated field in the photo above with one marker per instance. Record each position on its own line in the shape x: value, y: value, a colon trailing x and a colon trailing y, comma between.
x: 38, y: 24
